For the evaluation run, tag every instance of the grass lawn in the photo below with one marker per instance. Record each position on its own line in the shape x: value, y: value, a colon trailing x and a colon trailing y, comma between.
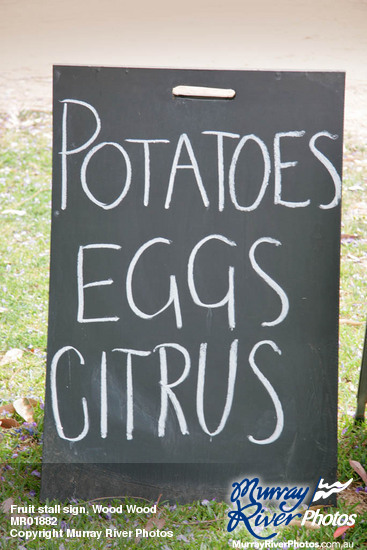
x: 25, y: 194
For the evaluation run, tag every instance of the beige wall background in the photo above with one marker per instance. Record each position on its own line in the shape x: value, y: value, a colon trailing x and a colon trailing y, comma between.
x: 233, y: 34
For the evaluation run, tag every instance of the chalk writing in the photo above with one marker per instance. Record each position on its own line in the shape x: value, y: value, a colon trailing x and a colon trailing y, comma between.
x: 184, y: 145
x: 184, y: 149
x: 193, y: 295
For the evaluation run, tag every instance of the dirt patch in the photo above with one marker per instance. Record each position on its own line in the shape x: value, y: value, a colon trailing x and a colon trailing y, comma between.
x: 355, y: 495
x: 320, y: 35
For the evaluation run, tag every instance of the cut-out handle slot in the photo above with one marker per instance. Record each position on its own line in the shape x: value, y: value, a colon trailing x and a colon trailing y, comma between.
x: 201, y: 92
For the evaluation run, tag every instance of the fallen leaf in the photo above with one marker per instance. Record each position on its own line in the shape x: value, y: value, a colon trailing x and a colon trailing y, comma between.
x: 8, y: 423
x: 341, y: 530
x: 7, y: 409
x: 307, y: 524
x: 24, y: 408
x: 152, y: 523
x: 6, y: 505
x: 347, y: 236
x: 357, y: 467
x: 155, y: 523
x: 11, y: 356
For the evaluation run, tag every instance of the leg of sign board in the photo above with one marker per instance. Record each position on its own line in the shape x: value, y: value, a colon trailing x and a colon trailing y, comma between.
x: 362, y: 388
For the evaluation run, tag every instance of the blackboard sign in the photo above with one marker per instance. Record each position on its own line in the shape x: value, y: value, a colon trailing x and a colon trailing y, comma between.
x: 193, y: 327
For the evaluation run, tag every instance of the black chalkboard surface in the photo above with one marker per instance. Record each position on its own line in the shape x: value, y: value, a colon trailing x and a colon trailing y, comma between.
x: 193, y: 325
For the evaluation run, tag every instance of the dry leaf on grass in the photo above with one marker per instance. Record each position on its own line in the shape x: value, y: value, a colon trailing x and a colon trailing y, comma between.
x: 11, y: 356
x: 6, y: 509
x: 341, y: 530
x: 318, y: 507
x: 350, y: 322
x: 307, y: 524
x: 6, y: 505
x: 24, y: 408
x: 7, y: 409
x: 357, y: 467
x: 8, y: 423
x: 154, y: 523
x: 347, y: 236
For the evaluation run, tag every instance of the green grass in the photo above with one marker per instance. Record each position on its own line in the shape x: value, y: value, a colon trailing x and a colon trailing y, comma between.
x: 353, y: 284
x: 25, y: 190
